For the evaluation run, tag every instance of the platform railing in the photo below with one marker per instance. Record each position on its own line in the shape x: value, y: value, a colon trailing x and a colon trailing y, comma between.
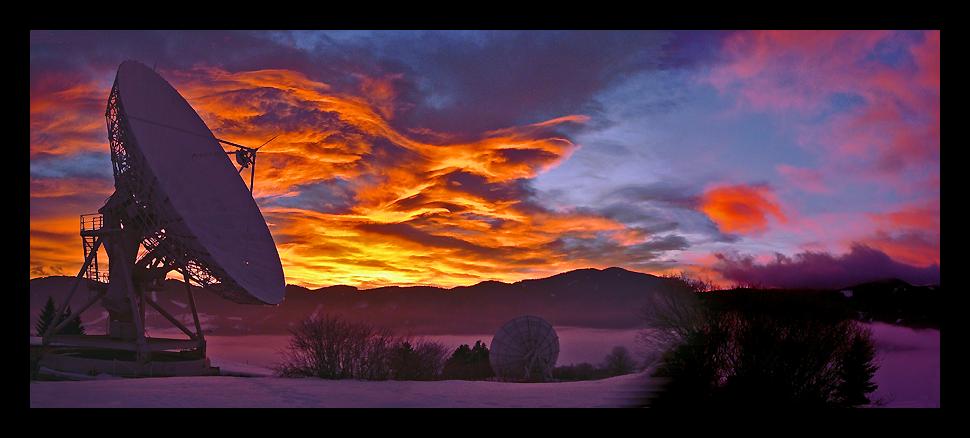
x: 92, y: 222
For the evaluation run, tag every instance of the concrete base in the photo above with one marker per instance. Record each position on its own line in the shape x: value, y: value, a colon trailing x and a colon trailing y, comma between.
x: 112, y: 343
x: 87, y: 355
x: 72, y: 363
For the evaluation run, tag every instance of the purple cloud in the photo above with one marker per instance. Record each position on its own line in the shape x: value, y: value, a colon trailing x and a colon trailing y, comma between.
x: 823, y: 270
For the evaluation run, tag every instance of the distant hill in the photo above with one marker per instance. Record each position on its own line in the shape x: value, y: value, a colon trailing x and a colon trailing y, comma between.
x: 595, y: 298
x: 607, y: 298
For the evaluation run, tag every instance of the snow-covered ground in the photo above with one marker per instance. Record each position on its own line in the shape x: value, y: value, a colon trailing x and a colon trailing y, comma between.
x: 909, y: 376
x: 253, y: 356
x: 909, y: 366
x: 576, y: 345
x: 240, y: 392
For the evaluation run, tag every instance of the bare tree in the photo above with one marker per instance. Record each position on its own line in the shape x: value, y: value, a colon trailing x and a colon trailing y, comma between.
x: 417, y: 359
x: 670, y: 315
x: 431, y: 357
x: 694, y: 283
x: 331, y: 348
x: 376, y: 356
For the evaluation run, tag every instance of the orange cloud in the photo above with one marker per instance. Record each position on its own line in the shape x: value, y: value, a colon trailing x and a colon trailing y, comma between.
x: 55, y: 203
x: 380, y: 93
x: 67, y: 118
x: 921, y: 216
x: 740, y: 208
x: 910, y: 234
x: 352, y: 200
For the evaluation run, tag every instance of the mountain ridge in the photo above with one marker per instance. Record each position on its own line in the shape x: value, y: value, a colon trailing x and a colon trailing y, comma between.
x: 589, y: 297
x: 608, y: 298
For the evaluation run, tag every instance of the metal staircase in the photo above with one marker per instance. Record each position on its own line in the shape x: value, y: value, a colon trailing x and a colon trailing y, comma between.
x: 90, y: 225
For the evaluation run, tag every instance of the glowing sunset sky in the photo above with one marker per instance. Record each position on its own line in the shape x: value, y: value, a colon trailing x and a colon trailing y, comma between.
x: 448, y: 158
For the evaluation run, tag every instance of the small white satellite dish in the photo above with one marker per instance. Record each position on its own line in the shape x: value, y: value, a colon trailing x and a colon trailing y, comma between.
x: 179, y: 205
x: 524, y: 349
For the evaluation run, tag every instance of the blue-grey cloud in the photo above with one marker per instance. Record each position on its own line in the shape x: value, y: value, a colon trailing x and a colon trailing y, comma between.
x: 332, y: 196
x: 78, y: 165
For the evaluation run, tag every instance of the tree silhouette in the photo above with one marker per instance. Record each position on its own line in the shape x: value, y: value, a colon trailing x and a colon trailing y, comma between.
x: 74, y: 327
x: 619, y: 362
x: 469, y: 363
x: 858, y: 368
x: 404, y: 362
x: 579, y: 371
x: 46, y: 315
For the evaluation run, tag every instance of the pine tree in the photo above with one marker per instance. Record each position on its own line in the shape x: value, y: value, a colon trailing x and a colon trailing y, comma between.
x: 74, y: 327
x: 858, y: 370
x: 403, y: 362
x: 481, y: 369
x: 456, y: 367
x: 479, y: 352
x: 46, y: 315
x: 469, y: 363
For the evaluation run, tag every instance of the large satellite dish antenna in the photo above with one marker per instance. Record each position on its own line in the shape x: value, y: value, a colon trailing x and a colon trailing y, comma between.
x: 524, y: 349
x: 179, y: 205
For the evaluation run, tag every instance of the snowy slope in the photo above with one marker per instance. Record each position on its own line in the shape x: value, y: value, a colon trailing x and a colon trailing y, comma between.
x: 279, y: 392
x: 909, y: 366
x: 909, y: 376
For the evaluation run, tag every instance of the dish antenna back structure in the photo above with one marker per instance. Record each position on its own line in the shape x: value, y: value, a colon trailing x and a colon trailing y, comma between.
x: 179, y: 205
x: 524, y: 349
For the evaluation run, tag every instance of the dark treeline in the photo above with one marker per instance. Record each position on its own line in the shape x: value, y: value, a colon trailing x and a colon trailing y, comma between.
x: 891, y: 301
x: 617, y: 363
x: 888, y: 301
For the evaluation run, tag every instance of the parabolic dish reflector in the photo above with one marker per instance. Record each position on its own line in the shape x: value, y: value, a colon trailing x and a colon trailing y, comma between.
x: 525, y: 348
x: 209, y: 211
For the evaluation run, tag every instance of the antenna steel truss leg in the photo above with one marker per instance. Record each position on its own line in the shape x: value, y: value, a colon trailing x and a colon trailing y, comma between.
x: 136, y: 315
x: 170, y: 318
x: 77, y: 281
x: 195, y: 313
x: 78, y: 312
x: 140, y: 341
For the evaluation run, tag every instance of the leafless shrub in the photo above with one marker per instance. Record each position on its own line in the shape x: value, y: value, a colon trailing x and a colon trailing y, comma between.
x: 747, y: 284
x: 331, y: 348
x: 694, y: 283
x: 417, y: 359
